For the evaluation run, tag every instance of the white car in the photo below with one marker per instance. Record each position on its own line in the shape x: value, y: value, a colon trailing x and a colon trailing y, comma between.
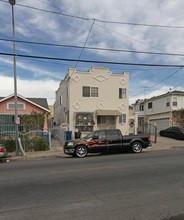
x: 3, y: 152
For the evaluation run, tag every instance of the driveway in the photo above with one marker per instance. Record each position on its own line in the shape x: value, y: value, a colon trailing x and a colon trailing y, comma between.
x: 163, y: 143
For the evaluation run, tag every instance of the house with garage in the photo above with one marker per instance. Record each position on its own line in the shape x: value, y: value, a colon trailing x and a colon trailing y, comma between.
x: 158, y: 111
x: 93, y: 99
x: 25, y: 106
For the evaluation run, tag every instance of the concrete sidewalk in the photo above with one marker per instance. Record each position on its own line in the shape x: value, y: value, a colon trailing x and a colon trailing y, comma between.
x: 38, y: 154
x: 162, y: 144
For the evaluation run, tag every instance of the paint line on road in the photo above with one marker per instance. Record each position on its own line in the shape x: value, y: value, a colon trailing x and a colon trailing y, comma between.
x: 84, y: 169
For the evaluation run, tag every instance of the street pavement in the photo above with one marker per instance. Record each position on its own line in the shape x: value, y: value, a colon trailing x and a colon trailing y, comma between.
x: 162, y: 143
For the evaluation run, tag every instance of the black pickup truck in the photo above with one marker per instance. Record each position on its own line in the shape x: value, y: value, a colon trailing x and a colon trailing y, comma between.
x: 106, y: 141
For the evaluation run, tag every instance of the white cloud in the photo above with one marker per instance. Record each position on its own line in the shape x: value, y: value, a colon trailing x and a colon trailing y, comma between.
x: 37, y: 71
x: 33, y: 25
x: 29, y: 88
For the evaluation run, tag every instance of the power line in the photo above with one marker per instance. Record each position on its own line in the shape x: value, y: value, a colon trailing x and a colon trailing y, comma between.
x: 99, y: 20
x: 82, y: 66
x: 92, y: 48
x: 92, y: 61
x: 158, y: 82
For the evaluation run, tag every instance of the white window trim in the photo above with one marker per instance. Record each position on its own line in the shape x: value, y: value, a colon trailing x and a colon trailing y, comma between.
x: 123, y: 119
x: 13, y: 103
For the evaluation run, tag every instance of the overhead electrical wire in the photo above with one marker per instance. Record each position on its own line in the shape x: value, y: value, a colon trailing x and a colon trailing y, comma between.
x: 82, y: 66
x: 93, y: 61
x: 112, y: 22
x: 158, y: 82
x: 92, y: 48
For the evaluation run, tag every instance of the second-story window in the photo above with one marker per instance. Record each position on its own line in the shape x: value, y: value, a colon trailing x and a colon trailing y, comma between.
x: 122, y: 93
x: 141, y: 107
x: 88, y: 91
x: 167, y: 102
x: 94, y: 91
x: 175, y: 103
x: 150, y: 105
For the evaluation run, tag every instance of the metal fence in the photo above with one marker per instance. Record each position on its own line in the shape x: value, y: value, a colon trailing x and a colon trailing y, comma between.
x: 57, y: 135
x: 30, y: 141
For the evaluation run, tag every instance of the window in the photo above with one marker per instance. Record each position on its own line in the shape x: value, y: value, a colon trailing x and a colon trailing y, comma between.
x: 113, y: 134
x: 84, y: 122
x: 150, y: 105
x: 122, y: 93
x: 61, y: 100
x: 101, y: 119
x: 94, y: 91
x: 101, y: 134
x: 20, y: 106
x: 88, y: 91
x: 141, y: 107
x: 175, y: 101
x: 122, y: 118
x: 167, y: 102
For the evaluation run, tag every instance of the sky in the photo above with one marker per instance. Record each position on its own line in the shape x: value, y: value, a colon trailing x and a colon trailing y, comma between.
x: 124, y: 29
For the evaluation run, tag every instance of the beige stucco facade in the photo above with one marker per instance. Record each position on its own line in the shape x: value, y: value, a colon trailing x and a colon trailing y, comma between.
x: 91, y: 100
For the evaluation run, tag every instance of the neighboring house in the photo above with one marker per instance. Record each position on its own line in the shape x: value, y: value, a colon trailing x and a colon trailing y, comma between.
x: 25, y: 106
x: 96, y: 99
x: 157, y: 111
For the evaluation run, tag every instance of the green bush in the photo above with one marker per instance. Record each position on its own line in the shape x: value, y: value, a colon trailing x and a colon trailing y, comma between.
x: 40, y: 143
x: 9, y: 144
x: 36, y: 143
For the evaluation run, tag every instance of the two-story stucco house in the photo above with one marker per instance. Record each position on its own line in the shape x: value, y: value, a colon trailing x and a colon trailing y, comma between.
x: 158, y: 110
x: 91, y: 100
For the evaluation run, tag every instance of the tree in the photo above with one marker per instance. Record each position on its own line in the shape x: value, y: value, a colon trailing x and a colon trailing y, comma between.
x: 178, y: 117
x: 33, y: 121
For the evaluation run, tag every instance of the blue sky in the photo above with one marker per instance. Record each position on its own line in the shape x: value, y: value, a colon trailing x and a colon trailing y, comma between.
x: 41, y: 78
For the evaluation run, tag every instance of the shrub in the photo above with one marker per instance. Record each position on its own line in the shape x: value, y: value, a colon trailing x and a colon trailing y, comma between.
x: 40, y: 143
x: 9, y: 144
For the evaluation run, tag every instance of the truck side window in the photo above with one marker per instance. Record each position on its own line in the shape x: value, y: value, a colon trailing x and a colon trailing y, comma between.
x: 113, y: 134
x: 101, y: 134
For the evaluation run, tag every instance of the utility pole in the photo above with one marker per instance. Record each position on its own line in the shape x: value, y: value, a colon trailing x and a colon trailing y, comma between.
x: 12, y: 2
x: 145, y: 87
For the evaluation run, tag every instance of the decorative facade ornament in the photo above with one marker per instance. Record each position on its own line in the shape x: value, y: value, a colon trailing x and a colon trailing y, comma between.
x: 100, y: 77
x: 122, y: 81
x: 122, y: 106
x: 76, y: 78
x: 76, y: 105
x: 100, y: 105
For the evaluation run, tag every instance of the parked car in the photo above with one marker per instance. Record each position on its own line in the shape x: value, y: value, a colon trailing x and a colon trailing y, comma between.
x: 173, y: 132
x: 3, y: 152
x: 106, y: 141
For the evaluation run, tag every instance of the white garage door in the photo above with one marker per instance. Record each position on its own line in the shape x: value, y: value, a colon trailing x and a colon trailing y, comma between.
x: 161, y: 123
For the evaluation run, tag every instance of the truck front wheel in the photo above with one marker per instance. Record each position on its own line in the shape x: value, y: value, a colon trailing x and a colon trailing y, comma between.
x: 81, y: 151
x: 137, y: 147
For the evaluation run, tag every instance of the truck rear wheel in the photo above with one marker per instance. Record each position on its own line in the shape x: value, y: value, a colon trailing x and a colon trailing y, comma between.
x: 81, y: 151
x: 137, y: 147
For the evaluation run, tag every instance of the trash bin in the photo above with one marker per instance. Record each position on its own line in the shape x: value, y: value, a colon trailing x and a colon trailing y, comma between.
x: 77, y: 135
x: 68, y: 135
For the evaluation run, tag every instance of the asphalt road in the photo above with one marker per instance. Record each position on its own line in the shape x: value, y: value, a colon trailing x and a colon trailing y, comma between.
x: 146, y: 186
